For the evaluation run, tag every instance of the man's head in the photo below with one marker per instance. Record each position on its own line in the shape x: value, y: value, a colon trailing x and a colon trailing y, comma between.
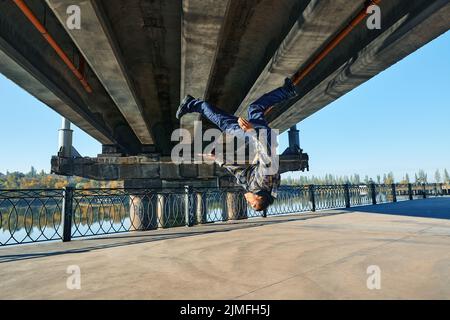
x: 260, y: 201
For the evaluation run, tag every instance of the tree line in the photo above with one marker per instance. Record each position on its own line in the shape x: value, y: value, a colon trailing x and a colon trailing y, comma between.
x: 43, y: 180
x: 388, y: 178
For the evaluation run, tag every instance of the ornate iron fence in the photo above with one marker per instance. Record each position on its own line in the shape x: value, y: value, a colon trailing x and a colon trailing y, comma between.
x: 360, y: 195
x: 290, y: 200
x: 28, y: 216
x: 329, y: 197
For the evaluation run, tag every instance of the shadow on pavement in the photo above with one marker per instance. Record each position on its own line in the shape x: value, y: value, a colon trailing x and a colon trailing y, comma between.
x: 111, y: 241
x: 437, y: 208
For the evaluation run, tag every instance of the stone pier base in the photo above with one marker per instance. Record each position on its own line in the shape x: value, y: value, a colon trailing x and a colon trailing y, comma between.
x: 236, y: 206
x: 200, y: 210
x: 143, y: 212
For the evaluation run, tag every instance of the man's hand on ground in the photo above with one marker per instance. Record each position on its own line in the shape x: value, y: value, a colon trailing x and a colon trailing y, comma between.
x: 245, y: 124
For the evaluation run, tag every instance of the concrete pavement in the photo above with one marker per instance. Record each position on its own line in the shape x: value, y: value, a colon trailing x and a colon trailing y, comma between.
x: 308, y: 256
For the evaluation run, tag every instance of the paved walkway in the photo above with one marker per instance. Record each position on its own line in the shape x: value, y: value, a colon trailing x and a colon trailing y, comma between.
x: 312, y: 256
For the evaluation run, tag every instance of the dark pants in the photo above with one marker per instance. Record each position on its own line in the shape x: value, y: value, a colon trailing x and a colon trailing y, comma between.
x: 256, y: 110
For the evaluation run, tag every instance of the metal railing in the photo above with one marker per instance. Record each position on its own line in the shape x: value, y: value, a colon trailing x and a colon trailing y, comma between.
x: 28, y: 216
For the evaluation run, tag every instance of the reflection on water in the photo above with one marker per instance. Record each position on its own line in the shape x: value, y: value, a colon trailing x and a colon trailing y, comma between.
x: 39, y: 223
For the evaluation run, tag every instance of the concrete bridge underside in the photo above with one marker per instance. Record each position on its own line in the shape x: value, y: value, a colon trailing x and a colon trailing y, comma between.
x: 140, y: 57
x: 324, y: 255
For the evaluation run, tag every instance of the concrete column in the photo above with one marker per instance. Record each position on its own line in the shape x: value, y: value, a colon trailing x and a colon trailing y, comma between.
x: 170, y: 210
x: 161, y: 210
x: 65, y: 139
x: 224, y: 207
x: 143, y: 212
x: 201, y: 212
x: 236, y: 206
x: 143, y: 204
x: 294, y: 138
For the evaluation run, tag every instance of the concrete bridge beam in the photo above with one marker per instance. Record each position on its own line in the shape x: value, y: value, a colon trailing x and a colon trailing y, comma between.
x: 150, y: 171
x: 201, y: 24
x: 406, y: 26
x: 315, y: 25
x: 29, y: 60
x: 250, y: 35
x: 35, y: 85
x: 148, y: 34
x: 95, y: 42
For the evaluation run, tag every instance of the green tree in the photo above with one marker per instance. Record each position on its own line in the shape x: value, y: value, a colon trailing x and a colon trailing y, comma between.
x: 446, y: 176
x: 421, y: 177
x: 437, y: 176
x: 389, y: 178
x: 32, y: 173
x: 356, y: 179
x: 13, y: 180
x: 405, y: 179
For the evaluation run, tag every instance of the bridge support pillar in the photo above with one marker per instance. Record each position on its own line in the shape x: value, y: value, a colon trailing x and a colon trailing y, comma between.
x: 236, y: 206
x: 143, y: 203
x: 65, y: 139
x: 170, y: 210
x: 143, y: 209
x: 294, y: 138
x: 161, y: 210
x: 201, y: 213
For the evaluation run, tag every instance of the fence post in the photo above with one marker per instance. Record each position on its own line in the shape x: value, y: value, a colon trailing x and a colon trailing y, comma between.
x: 67, y: 213
x: 347, y: 195
x: 312, y: 197
x: 394, y: 193
x: 189, y: 206
x: 373, y: 192
x: 410, y: 193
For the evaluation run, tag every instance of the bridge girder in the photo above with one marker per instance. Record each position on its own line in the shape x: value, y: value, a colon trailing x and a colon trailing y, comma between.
x: 143, y: 55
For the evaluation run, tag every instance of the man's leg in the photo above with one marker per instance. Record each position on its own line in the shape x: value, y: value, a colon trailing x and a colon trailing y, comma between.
x: 257, y: 109
x: 218, y: 117
x: 224, y: 121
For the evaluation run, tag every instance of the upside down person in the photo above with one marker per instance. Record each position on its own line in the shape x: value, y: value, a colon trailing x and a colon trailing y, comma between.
x: 260, y: 186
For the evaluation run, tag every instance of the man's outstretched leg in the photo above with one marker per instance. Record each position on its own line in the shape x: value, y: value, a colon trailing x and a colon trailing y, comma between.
x: 257, y: 109
x: 220, y: 118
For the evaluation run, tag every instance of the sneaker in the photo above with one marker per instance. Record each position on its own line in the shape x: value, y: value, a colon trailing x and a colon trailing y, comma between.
x: 290, y: 87
x: 182, y: 109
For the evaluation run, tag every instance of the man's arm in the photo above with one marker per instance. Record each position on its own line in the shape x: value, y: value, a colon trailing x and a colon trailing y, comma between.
x: 245, y: 124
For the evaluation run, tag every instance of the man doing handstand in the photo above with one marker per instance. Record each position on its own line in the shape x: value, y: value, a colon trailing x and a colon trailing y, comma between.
x: 260, y: 186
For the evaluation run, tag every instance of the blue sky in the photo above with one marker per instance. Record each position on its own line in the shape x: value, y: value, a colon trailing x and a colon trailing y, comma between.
x: 397, y: 121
